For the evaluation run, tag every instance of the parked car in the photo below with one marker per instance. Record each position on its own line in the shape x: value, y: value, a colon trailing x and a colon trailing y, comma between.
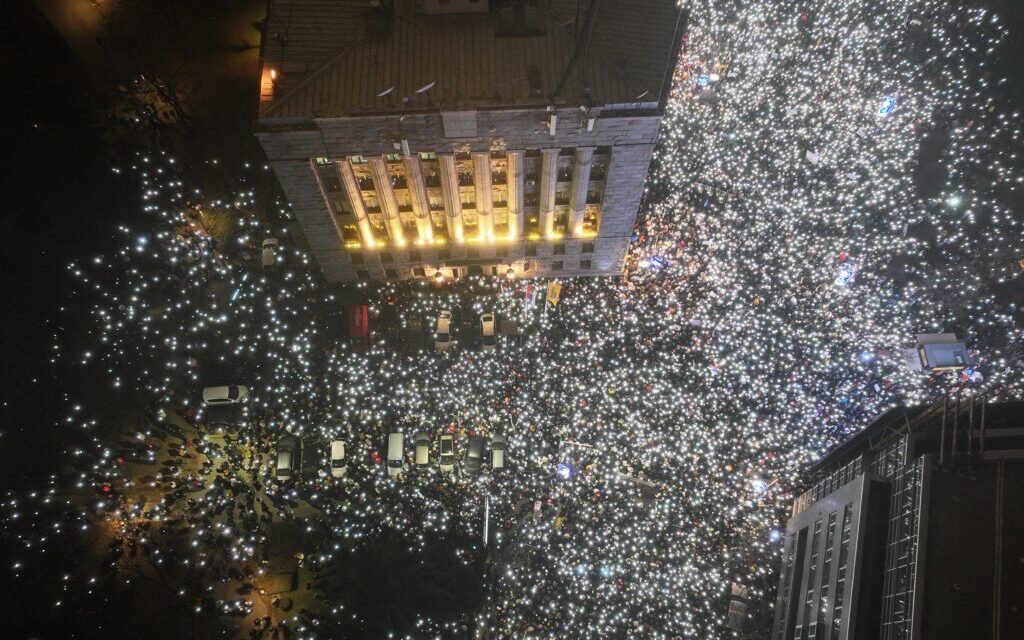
x: 228, y: 394
x: 474, y: 454
x: 442, y: 332
x: 488, y: 337
x: 338, y: 468
x: 396, y: 454
x: 498, y: 452
x: 287, y: 457
x: 447, y: 447
x: 269, y: 257
x: 422, y: 450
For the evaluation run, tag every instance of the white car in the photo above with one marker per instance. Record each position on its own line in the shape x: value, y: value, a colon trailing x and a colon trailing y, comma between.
x: 269, y: 252
x: 228, y: 394
x: 422, y: 450
x: 396, y: 454
x: 338, y: 468
x: 497, y: 452
x: 488, y: 338
x: 447, y: 446
x: 443, y: 331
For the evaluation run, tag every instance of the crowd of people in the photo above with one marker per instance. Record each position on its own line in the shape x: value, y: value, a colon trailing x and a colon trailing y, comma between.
x: 656, y: 423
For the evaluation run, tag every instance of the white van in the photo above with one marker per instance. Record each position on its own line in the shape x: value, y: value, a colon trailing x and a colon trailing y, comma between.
x: 396, y: 454
x: 338, y: 469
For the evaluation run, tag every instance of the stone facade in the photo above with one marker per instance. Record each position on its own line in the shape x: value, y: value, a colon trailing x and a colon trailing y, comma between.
x: 627, y: 137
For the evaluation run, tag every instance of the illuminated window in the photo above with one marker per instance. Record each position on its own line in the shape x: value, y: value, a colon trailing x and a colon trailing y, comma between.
x: 428, y: 155
x: 323, y: 162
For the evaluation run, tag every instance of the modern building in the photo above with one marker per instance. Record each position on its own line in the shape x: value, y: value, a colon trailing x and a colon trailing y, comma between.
x: 460, y: 137
x: 913, y: 530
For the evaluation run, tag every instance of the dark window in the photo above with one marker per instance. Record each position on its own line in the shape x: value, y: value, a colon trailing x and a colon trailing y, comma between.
x: 419, y: 272
x: 385, y: 256
x: 331, y: 184
x: 362, y: 274
x: 587, y: 247
x: 472, y: 254
x: 585, y: 264
x: 556, y: 265
x: 414, y: 255
x: 391, y: 274
x: 604, y: 151
x: 476, y: 270
x: 559, y: 249
x: 445, y: 254
x: 357, y: 258
x: 531, y: 249
x: 501, y: 252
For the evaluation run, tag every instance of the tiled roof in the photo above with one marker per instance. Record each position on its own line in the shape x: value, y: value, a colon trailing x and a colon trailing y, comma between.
x: 334, y: 57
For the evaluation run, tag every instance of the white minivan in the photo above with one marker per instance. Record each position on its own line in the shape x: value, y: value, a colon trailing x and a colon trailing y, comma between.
x: 396, y: 454
x: 338, y: 469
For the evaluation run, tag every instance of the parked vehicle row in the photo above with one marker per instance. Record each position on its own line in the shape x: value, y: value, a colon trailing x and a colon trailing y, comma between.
x: 289, y: 451
x: 443, y: 327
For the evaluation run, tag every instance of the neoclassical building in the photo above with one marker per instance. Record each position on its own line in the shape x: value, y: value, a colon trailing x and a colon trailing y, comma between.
x: 465, y: 137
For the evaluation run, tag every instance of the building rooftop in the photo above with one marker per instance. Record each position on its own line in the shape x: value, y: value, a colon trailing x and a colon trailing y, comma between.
x: 334, y: 58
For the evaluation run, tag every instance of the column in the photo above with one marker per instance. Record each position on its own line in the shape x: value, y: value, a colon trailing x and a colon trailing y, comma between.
x: 578, y: 195
x: 388, y: 203
x: 515, y: 194
x: 355, y: 198
x: 548, y: 178
x: 418, y: 195
x: 482, y: 184
x: 450, y: 191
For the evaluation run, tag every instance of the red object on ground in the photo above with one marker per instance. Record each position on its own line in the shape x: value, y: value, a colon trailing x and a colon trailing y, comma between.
x: 376, y: 457
x: 359, y: 322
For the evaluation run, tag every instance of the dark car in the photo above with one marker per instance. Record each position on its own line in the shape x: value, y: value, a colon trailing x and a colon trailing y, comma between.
x: 474, y: 454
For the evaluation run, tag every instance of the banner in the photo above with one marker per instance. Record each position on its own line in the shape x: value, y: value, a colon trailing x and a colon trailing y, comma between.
x: 554, y: 290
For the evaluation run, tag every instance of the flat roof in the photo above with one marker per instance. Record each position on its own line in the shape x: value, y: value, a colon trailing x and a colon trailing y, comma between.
x: 335, y: 58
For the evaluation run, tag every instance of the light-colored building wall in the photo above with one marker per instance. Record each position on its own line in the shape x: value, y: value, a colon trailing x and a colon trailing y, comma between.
x: 623, y: 139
